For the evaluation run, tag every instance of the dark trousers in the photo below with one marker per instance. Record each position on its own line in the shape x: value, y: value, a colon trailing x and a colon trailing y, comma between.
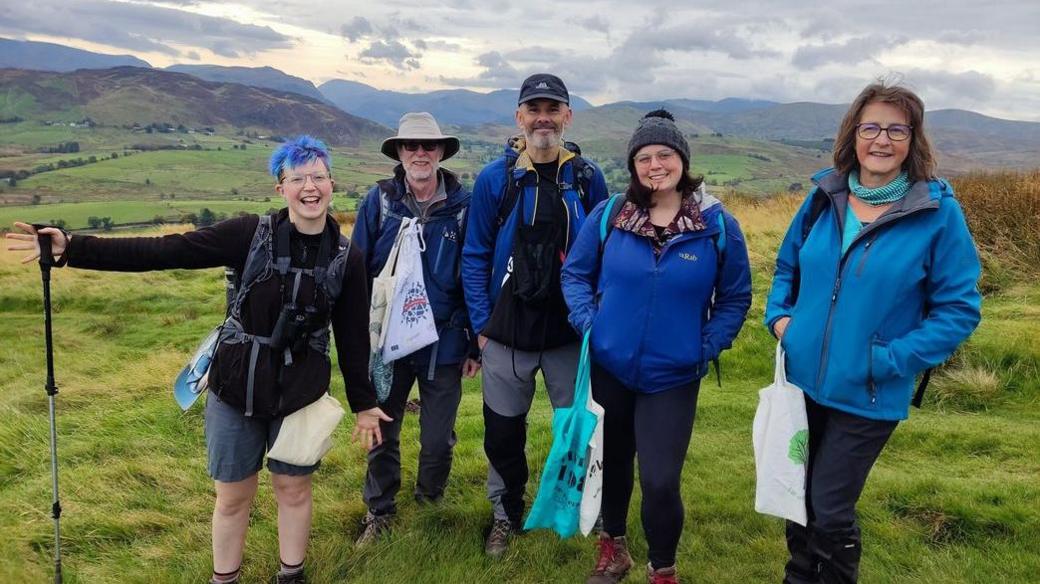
x: 656, y: 427
x: 440, y: 399
x: 842, y: 449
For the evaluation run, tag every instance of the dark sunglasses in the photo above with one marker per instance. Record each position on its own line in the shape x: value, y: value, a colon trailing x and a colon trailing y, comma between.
x: 413, y: 145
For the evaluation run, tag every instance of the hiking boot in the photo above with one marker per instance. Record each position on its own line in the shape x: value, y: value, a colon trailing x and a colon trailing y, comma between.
x: 297, y: 578
x: 498, y: 539
x: 614, y: 561
x: 661, y: 575
x: 375, y: 527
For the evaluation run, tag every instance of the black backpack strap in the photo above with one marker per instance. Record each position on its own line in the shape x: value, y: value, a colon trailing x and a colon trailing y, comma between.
x: 512, y: 193
x: 583, y: 172
x: 919, y: 394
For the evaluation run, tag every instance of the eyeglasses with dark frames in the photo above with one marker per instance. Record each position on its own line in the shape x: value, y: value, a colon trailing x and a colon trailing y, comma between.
x: 896, y: 132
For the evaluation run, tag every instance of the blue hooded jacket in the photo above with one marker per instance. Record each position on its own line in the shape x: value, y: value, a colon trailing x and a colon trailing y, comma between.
x: 486, y: 254
x: 443, y: 232
x: 900, y: 300
x: 657, y: 321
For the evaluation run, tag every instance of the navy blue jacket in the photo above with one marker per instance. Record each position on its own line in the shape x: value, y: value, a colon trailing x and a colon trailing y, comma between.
x: 898, y: 301
x: 443, y: 232
x: 485, y: 257
x: 658, y: 320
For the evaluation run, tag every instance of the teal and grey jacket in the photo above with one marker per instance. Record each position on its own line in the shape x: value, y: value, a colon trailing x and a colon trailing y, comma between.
x: 897, y: 302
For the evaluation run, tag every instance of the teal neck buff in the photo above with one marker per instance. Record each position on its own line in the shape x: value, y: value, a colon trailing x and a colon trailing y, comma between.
x: 889, y: 193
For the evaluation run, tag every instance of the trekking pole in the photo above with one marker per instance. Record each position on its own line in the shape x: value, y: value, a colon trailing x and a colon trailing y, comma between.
x: 46, y: 261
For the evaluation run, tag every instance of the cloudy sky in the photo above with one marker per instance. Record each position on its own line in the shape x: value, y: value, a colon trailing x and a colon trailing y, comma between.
x: 955, y: 53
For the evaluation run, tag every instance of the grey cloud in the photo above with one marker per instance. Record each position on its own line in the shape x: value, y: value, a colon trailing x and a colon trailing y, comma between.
x: 355, y: 29
x: 685, y: 38
x: 391, y: 52
x: 141, y: 27
x: 420, y: 44
x: 193, y: 55
x: 967, y: 87
x: 594, y: 23
x: 852, y: 51
x: 441, y: 46
x: 224, y: 49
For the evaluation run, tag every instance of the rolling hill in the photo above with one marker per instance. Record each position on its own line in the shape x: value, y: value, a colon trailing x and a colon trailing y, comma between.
x: 52, y: 57
x: 268, y: 77
x: 129, y: 95
x: 449, y: 106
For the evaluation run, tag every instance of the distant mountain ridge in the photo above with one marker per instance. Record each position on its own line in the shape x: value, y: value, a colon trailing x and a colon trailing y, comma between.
x: 268, y: 77
x: 128, y: 95
x: 449, y: 106
x: 52, y: 57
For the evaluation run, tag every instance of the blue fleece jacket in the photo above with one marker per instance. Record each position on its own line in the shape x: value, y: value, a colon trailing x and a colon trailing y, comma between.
x: 900, y: 300
x: 488, y: 247
x: 657, y: 321
x: 443, y: 234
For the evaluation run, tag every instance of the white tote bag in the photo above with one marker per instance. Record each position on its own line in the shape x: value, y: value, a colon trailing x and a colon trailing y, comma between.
x: 592, y: 494
x: 410, y: 325
x: 781, y: 439
x: 306, y: 434
x: 381, y: 372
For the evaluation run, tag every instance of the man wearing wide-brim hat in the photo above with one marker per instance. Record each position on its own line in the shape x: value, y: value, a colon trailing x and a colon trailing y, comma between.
x: 419, y: 188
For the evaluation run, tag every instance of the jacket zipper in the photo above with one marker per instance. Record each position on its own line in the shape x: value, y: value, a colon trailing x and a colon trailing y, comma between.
x: 837, y: 282
x: 866, y: 252
x: 870, y: 370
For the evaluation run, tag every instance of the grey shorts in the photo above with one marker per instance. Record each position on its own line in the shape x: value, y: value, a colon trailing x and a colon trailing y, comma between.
x: 236, y: 445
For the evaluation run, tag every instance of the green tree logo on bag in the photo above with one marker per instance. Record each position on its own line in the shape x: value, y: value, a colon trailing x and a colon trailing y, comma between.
x: 798, y: 449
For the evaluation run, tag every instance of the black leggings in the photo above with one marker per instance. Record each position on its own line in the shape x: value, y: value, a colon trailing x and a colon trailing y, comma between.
x: 657, y: 427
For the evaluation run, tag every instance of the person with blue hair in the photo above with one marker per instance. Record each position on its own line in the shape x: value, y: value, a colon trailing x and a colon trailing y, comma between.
x: 295, y: 275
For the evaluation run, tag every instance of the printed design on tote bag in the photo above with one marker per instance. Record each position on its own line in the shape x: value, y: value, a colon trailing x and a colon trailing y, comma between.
x: 798, y: 449
x: 416, y: 304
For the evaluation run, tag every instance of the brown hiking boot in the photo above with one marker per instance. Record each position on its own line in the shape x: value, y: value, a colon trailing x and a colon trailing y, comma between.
x: 614, y: 561
x: 661, y: 575
x: 498, y: 538
x: 375, y: 527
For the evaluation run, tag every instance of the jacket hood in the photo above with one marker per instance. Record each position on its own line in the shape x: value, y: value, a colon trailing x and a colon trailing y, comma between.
x: 516, y: 153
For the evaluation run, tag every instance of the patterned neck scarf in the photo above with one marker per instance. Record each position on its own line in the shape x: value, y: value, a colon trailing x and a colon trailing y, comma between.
x: 637, y: 220
x: 889, y: 193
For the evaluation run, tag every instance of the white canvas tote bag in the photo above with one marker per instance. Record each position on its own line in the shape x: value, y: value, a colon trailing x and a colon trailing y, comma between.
x: 306, y: 434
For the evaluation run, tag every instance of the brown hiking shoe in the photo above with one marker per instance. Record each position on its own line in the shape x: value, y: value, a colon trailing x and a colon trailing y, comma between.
x: 375, y: 527
x: 661, y: 575
x: 498, y: 538
x: 614, y: 561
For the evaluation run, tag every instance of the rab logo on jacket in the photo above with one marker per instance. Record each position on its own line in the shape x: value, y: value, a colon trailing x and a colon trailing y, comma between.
x: 688, y: 256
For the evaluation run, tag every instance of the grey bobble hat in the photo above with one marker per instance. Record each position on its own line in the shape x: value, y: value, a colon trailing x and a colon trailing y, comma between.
x: 658, y: 127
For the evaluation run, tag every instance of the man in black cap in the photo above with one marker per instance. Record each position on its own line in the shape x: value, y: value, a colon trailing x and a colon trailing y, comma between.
x: 527, y: 208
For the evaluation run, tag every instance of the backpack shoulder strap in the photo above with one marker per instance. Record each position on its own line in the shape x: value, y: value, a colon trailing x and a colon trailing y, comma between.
x: 509, y: 198
x: 238, y: 284
x: 606, y: 221
x: 817, y: 203
x: 583, y: 173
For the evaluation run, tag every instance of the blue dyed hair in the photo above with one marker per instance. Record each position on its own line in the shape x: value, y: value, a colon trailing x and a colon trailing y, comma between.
x: 297, y: 152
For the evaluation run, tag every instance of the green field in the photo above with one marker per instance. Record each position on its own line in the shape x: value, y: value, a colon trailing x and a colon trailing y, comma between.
x: 953, y: 499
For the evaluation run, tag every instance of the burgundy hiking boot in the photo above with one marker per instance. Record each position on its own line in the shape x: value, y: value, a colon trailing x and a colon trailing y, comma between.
x: 614, y: 561
x: 661, y: 575
x: 498, y: 538
x: 297, y: 578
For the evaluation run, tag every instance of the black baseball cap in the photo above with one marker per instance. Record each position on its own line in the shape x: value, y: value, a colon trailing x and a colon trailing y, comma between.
x: 543, y: 86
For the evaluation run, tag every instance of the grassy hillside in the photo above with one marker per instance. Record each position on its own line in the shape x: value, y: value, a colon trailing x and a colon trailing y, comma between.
x: 953, y: 499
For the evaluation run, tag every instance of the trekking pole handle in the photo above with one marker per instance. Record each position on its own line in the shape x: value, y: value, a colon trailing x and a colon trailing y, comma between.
x: 46, y: 258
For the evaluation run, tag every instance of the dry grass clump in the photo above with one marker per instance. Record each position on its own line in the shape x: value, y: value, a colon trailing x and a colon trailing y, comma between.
x: 1003, y: 212
x: 966, y: 388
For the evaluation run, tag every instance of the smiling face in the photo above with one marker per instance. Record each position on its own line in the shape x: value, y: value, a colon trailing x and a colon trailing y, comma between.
x: 658, y: 167
x: 307, y: 190
x: 420, y: 164
x: 543, y: 121
x: 881, y: 159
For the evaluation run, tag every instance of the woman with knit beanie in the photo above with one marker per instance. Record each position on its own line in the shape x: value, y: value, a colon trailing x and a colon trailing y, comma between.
x: 875, y: 283
x: 660, y: 276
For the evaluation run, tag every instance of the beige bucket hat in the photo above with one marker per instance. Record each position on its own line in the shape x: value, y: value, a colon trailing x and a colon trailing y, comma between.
x: 419, y: 126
